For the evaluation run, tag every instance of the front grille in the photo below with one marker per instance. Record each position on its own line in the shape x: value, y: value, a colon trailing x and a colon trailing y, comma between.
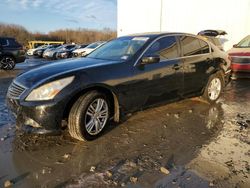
x: 15, y: 90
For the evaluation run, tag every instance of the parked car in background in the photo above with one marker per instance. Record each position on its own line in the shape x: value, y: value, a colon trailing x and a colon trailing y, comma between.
x: 30, y: 52
x: 88, y: 49
x: 11, y: 52
x: 214, y: 36
x: 66, y: 52
x: 51, y: 53
x: 240, y: 57
x: 124, y: 75
x: 77, y: 52
x: 47, y: 52
x: 39, y: 52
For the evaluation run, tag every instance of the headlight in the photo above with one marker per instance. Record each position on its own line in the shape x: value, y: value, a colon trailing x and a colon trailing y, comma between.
x: 83, y: 53
x: 49, y: 90
x: 63, y: 54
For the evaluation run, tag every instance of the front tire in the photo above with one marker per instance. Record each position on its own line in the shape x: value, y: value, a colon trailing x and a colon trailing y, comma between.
x: 89, y: 115
x: 214, y: 88
x: 7, y: 63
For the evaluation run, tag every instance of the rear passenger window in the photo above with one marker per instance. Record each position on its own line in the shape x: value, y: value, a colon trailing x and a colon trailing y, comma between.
x: 68, y: 47
x: 165, y: 47
x: 3, y: 42
x: 204, y: 47
x: 14, y: 43
x: 193, y: 46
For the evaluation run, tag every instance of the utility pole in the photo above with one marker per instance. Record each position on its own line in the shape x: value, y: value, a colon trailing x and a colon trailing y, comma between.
x: 161, y: 17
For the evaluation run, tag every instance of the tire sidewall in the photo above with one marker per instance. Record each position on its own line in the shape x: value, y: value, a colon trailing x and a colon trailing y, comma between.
x: 82, y: 114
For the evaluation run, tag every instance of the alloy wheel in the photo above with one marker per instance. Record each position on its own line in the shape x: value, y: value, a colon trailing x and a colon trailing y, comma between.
x: 214, y: 89
x: 7, y: 63
x: 96, y: 116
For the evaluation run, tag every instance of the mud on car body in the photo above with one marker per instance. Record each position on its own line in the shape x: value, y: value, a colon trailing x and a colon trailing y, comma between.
x: 122, y: 76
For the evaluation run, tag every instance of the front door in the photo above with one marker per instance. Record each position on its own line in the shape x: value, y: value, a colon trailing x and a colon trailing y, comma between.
x: 162, y: 81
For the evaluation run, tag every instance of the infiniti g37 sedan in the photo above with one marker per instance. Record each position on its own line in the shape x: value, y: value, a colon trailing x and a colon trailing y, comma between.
x: 122, y: 76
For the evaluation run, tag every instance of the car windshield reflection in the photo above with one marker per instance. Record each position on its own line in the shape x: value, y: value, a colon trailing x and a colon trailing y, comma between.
x: 120, y: 49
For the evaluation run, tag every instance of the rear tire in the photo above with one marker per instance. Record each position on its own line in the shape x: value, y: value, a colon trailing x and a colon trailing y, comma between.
x: 214, y: 88
x: 7, y: 63
x: 89, y: 115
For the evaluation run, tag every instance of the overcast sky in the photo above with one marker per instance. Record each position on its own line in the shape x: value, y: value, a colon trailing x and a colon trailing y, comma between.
x: 49, y: 15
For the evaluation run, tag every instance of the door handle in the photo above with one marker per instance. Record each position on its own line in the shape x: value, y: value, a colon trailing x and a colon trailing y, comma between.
x: 176, y: 67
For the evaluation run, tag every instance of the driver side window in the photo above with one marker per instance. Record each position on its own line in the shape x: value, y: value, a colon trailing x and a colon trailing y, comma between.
x: 165, y: 47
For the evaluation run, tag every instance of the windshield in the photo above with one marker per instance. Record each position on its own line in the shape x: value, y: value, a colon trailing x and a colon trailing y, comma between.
x: 59, y: 47
x: 119, y: 49
x: 245, y: 43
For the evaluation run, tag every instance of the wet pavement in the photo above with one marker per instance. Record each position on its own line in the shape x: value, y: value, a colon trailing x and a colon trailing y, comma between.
x: 184, y: 144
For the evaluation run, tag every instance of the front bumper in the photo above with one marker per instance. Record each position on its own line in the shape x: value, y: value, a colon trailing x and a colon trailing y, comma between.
x: 34, y: 117
x: 240, y: 66
x: 239, y: 74
x: 240, y: 70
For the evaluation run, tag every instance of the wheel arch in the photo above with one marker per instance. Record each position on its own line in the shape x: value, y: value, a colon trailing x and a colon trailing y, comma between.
x: 217, y: 70
x: 8, y: 55
x: 101, y: 88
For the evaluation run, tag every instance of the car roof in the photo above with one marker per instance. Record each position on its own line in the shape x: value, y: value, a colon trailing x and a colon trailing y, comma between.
x: 8, y: 38
x: 157, y: 34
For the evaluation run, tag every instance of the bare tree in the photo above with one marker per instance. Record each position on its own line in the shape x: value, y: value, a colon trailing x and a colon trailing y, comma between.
x: 79, y: 36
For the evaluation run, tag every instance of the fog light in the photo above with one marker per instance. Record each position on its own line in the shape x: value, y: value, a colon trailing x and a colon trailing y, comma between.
x: 32, y: 123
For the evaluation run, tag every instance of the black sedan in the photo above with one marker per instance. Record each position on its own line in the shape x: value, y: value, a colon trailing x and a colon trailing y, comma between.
x: 124, y: 75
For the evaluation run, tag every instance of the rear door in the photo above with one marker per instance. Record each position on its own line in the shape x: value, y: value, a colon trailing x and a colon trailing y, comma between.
x: 2, y: 42
x: 197, y: 58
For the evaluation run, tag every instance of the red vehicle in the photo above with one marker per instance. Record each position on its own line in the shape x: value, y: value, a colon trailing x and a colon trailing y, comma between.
x: 240, y: 57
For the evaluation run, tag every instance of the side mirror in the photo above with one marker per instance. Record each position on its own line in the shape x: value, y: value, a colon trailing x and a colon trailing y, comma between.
x: 150, y: 59
x: 235, y: 45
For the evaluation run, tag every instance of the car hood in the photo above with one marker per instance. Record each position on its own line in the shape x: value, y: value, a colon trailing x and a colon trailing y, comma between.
x: 32, y: 50
x: 45, y: 72
x: 78, y: 50
x: 62, y: 51
x: 88, y: 50
x: 49, y: 50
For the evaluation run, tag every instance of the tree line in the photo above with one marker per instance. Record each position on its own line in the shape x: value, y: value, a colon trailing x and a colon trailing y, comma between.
x: 80, y: 36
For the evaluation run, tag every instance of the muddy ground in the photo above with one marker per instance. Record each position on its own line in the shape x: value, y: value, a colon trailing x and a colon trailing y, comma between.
x: 184, y: 144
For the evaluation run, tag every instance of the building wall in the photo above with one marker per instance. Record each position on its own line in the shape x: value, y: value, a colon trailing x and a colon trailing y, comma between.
x: 192, y: 16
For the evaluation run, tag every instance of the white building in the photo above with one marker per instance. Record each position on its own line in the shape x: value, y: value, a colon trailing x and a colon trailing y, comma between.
x: 190, y: 16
